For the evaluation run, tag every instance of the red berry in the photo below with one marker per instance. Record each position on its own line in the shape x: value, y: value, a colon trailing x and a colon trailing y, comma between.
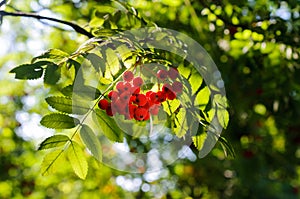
x: 102, y: 104
x: 141, y: 99
x: 109, y: 110
x: 171, y: 95
x: 138, y: 81
x: 113, y: 95
x: 120, y: 107
x: 173, y: 73
x: 131, y: 109
x: 125, y: 97
x: 147, y: 117
x: 128, y: 76
x: 158, y: 97
x: 135, y: 90
x: 149, y: 93
x: 127, y: 86
x: 162, y: 74
x: 147, y: 105
x: 120, y: 86
x: 140, y: 113
x: 166, y: 88
x: 177, y: 87
x: 161, y: 96
x: 154, y: 98
x: 132, y: 99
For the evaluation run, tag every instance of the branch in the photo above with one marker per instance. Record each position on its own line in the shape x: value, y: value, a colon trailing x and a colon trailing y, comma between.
x: 2, y: 3
x: 77, y: 28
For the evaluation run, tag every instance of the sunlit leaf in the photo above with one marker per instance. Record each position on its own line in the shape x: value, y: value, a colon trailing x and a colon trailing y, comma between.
x: 96, y: 22
x: 109, y: 127
x: 53, y: 162
x: 195, y: 81
x: 223, y: 117
x: 171, y: 106
x: 54, y: 55
x: 67, y: 105
x: 91, y: 141
x: 77, y: 159
x: 53, y: 141
x: 59, y: 121
x: 180, y: 123
x: 202, y: 98
x: 199, y: 140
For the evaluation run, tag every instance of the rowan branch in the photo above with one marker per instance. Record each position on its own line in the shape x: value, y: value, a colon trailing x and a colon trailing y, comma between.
x: 77, y: 28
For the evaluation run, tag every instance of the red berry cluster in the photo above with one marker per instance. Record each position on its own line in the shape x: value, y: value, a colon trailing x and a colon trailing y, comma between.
x: 128, y: 100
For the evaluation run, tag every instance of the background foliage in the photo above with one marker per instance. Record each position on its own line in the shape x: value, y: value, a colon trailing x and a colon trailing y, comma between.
x: 255, y: 45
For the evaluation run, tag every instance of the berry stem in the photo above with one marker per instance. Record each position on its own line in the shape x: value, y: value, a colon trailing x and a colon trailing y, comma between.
x: 151, y: 126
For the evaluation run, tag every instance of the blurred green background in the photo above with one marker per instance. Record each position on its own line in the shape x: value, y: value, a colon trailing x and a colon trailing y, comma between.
x: 255, y: 45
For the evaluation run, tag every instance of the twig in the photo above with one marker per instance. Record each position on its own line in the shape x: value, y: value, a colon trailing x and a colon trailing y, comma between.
x: 77, y: 28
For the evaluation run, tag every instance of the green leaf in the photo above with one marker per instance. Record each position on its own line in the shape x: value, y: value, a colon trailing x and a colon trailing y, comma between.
x: 97, y: 62
x: 195, y: 82
x: 180, y: 123
x: 109, y: 127
x: 54, y: 55
x: 52, y: 74
x: 67, y: 105
x: 96, y: 22
x: 78, y: 160
x: 53, y: 141
x: 199, y: 140
x: 223, y: 117
x: 91, y: 141
x: 59, y: 121
x: 86, y: 92
x: 67, y: 91
x: 202, y: 98
x: 30, y: 71
x: 171, y: 106
x: 227, y: 148
x: 52, y: 162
